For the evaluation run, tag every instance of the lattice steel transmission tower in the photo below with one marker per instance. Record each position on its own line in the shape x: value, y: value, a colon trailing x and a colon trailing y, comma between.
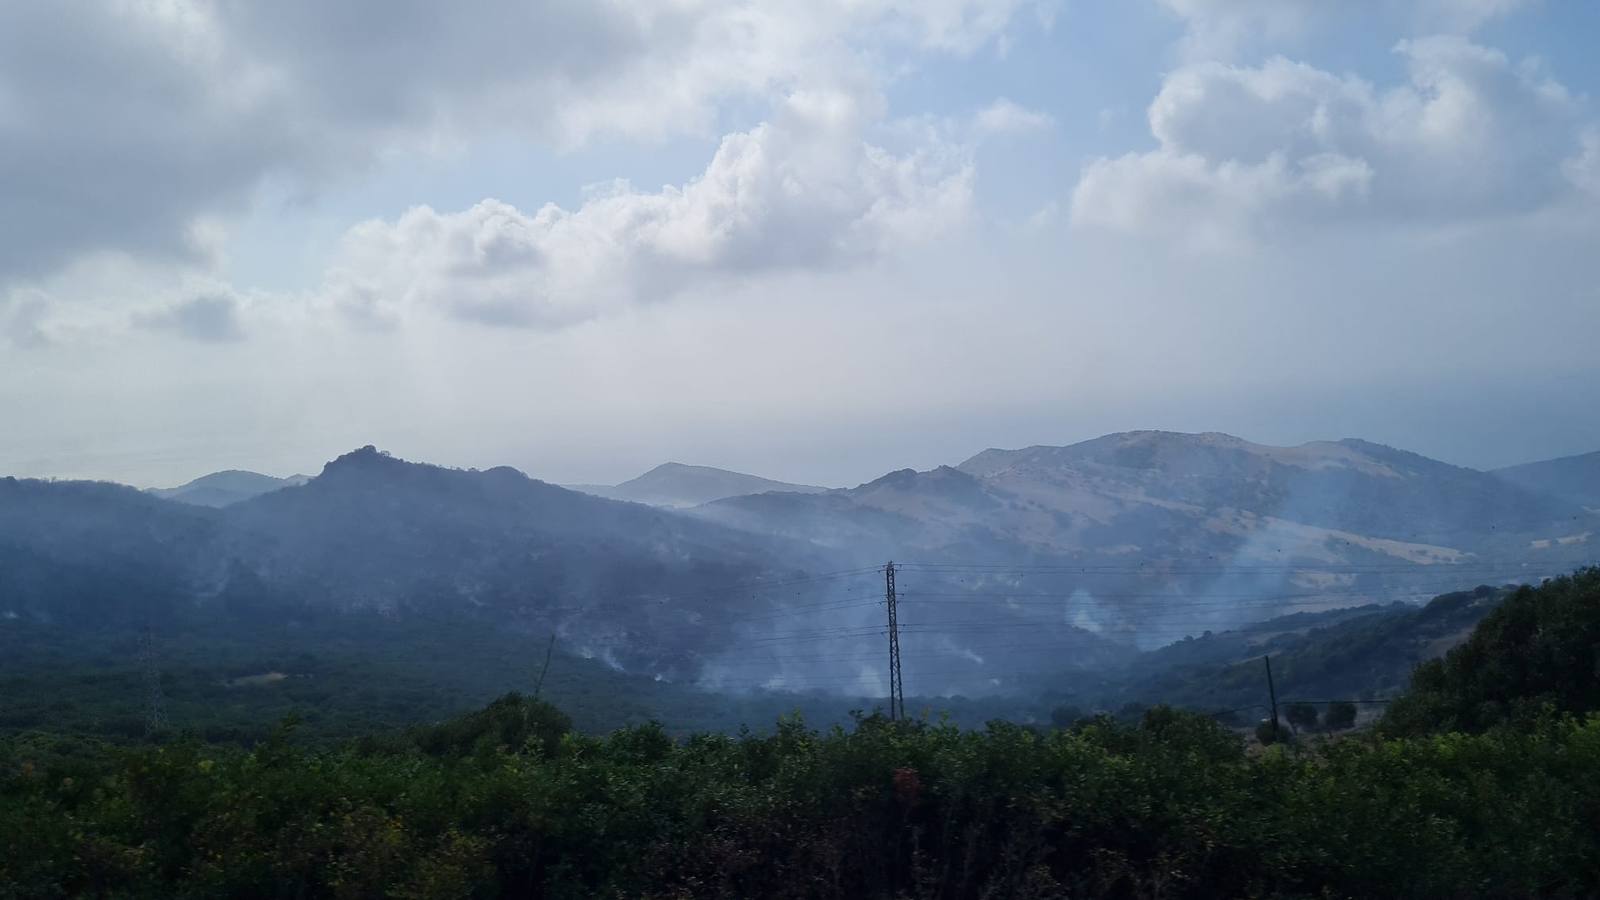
x: 155, y: 710
x: 897, y: 694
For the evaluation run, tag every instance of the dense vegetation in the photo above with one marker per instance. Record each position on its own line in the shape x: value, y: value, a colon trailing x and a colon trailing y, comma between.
x: 1360, y: 653
x: 507, y: 802
x: 1536, y: 655
x: 511, y: 800
x: 232, y: 671
x: 344, y: 675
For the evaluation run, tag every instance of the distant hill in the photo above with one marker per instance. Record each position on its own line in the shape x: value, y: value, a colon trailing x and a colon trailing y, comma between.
x: 1150, y: 495
x: 226, y: 488
x: 677, y: 485
x: 1572, y: 478
x: 1350, y: 485
x: 1011, y: 565
x: 1362, y: 653
x: 95, y: 554
x: 373, y: 532
x: 1149, y: 534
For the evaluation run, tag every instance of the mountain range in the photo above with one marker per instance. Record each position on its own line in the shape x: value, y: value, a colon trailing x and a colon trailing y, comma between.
x: 672, y: 485
x: 1012, y: 563
x: 225, y: 488
x: 1160, y: 495
x: 677, y: 485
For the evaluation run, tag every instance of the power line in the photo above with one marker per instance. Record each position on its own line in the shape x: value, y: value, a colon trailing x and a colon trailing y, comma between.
x: 758, y: 585
x: 1215, y: 561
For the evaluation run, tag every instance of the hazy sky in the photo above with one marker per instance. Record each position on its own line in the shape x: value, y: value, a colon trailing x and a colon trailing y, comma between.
x: 816, y: 240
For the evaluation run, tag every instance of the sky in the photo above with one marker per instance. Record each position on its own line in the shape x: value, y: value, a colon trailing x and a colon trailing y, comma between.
x: 815, y: 241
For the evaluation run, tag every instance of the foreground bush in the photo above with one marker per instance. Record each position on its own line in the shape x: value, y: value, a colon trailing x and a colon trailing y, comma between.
x: 1534, y: 656
x: 493, y: 805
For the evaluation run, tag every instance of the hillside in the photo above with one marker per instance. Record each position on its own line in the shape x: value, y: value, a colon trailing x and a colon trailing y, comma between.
x: 377, y: 533
x: 1013, y: 565
x: 512, y: 799
x: 1350, y: 486
x: 1535, y: 657
x: 1360, y: 653
x: 677, y: 485
x: 1573, y: 478
x: 221, y: 489
x: 1231, y: 531
x: 91, y: 554
x: 1157, y: 495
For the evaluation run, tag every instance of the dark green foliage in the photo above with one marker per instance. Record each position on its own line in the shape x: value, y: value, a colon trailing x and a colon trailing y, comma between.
x: 1066, y: 716
x: 509, y: 723
x: 348, y: 675
x: 1536, y: 655
x: 1268, y: 732
x: 1355, y: 653
x: 509, y: 800
x: 495, y: 805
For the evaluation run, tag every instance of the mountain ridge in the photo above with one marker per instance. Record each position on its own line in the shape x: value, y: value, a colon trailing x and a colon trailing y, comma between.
x: 679, y: 485
x: 1576, y: 477
x: 1095, y: 548
x: 1324, y: 524
x: 227, y: 487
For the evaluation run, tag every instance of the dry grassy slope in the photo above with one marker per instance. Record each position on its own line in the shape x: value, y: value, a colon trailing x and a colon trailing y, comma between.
x: 1322, y: 525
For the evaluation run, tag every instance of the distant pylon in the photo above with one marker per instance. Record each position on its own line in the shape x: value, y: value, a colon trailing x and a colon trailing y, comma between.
x: 155, y: 711
x: 897, y: 694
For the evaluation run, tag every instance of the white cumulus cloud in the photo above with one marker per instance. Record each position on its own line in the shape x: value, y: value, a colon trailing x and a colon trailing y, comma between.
x: 1224, y: 29
x: 1470, y: 134
x: 124, y: 125
x: 803, y: 190
x: 1007, y: 117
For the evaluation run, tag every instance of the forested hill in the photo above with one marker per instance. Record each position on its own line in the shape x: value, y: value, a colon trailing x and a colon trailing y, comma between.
x: 510, y: 801
x: 233, y: 677
x: 677, y: 485
x: 221, y: 489
x: 1094, y: 551
x: 372, y: 532
x: 1364, y: 653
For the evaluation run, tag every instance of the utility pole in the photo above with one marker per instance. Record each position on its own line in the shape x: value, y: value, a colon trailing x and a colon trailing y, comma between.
x: 897, y: 695
x: 549, y: 649
x: 1272, y: 693
x: 155, y: 711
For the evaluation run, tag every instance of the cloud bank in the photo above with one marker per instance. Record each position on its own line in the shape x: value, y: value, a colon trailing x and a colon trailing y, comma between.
x: 1245, y: 149
x: 141, y: 128
x: 803, y: 191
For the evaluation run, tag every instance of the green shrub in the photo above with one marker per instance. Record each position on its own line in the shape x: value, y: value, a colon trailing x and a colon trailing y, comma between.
x: 1536, y: 655
x: 487, y: 806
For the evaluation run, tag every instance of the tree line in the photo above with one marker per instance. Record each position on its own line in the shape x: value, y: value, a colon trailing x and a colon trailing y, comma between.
x: 1483, y: 780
